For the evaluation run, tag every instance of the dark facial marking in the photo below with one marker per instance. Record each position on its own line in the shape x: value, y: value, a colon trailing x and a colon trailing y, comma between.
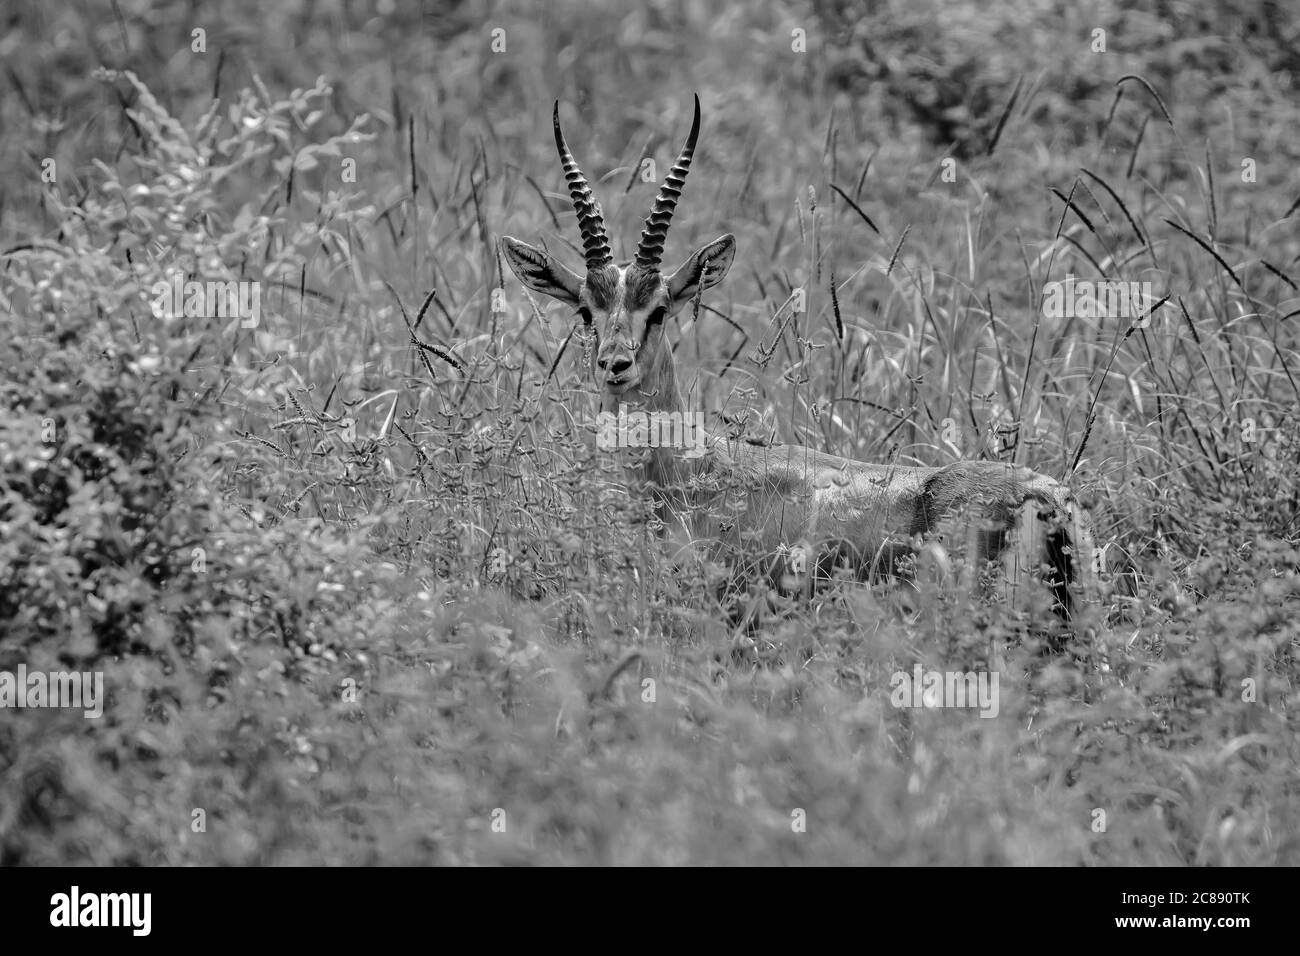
x: 641, y: 288
x: 652, y: 322
x: 601, y: 285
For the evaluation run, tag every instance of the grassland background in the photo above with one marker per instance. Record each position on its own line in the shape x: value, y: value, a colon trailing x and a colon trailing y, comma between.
x: 276, y: 542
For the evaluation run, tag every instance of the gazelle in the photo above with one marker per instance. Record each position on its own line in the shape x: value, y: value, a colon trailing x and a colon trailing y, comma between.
x: 840, y: 510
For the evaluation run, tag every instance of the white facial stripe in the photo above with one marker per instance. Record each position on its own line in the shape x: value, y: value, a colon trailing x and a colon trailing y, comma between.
x: 621, y: 320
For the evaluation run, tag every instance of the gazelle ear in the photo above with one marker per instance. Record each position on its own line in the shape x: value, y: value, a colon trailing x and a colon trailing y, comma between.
x: 703, y: 270
x: 540, y: 272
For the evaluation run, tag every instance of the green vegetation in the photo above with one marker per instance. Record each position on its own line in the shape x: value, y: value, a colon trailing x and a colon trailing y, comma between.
x: 357, y: 600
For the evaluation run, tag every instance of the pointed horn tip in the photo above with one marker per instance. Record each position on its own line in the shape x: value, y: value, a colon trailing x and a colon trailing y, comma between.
x: 566, y: 157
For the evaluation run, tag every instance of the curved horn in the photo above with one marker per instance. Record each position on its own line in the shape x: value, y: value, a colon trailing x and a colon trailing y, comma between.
x: 590, y: 221
x: 650, y: 250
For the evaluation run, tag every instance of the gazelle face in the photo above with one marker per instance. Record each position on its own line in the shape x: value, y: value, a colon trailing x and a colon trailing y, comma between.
x: 626, y: 306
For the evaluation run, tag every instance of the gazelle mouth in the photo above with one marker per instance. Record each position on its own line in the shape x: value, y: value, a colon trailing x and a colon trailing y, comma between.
x: 619, y: 385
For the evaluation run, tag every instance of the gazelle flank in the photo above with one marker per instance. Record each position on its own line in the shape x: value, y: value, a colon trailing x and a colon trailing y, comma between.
x: 865, y: 515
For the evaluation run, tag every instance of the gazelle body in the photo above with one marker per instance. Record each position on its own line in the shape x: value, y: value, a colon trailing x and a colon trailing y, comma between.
x: 840, y: 510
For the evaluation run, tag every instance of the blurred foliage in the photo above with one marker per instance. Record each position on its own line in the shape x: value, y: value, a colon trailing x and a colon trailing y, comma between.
x: 959, y: 71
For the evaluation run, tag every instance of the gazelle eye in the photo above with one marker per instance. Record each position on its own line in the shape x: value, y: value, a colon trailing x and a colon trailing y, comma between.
x: 657, y: 316
x: 585, y: 313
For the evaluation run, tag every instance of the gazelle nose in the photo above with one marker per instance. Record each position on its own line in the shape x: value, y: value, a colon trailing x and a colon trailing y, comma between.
x: 616, y: 365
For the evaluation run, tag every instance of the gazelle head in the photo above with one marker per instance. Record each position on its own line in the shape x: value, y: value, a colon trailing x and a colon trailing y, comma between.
x: 626, y: 305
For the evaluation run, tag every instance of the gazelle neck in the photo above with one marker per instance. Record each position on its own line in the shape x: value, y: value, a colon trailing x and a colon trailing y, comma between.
x: 665, y: 469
